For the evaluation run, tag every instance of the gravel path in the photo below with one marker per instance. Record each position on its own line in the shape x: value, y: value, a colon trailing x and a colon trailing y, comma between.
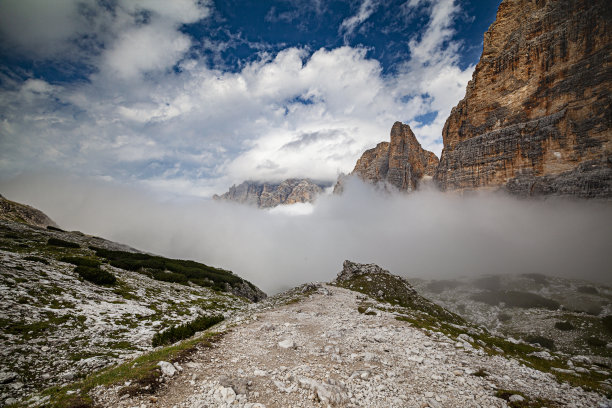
x: 321, y: 352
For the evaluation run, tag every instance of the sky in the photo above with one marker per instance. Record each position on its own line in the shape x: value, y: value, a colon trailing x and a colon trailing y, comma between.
x: 184, y: 98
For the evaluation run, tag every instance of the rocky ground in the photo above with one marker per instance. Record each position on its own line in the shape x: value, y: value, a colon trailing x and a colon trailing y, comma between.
x: 56, y: 328
x: 584, y: 305
x: 325, y: 345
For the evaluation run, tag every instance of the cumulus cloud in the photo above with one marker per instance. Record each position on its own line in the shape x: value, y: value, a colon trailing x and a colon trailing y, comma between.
x: 426, y: 234
x: 154, y: 113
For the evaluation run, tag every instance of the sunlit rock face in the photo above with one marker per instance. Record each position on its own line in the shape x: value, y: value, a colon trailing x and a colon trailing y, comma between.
x: 400, y: 164
x: 266, y: 195
x: 536, y: 116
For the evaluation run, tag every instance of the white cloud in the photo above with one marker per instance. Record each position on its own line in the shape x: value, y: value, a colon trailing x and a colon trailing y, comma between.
x: 198, y: 130
x: 366, y: 9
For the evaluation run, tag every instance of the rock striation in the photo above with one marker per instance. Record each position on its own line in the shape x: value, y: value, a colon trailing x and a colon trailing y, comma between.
x: 399, y: 164
x: 267, y: 195
x: 536, y: 119
x: 12, y: 211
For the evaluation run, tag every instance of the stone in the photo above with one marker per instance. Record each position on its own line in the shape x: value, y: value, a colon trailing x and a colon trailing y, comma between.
x: 535, y: 117
x: 516, y: 398
x: 267, y: 194
x: 6, y: 378
x: 400, y: 164
x: 286, y: 344
x: 167, y: 368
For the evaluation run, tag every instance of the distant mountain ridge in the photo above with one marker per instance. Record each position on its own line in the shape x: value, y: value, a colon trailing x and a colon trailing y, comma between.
x: 16, y: 212
x: 269, y: 194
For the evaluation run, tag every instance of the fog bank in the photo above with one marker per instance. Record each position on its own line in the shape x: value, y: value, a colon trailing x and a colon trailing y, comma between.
x: 425, y: 234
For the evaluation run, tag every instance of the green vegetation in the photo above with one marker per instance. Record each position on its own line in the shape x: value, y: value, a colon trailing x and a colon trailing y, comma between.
x: 171, y: 270
x: 541, y: 340
x: 440, y: 286
x: 514, y: 298
x: 596, y: 342
x: 526, y: 403
x: 588, y: 290
x: 95, y: 275
x: 186, y: 330
x: 565, y: 326
x: 36, y: 259
x: 61, y: 243
x: 607, y: 323
x: 81, y: 261
x: 536, y: 277
x: 142, y: 372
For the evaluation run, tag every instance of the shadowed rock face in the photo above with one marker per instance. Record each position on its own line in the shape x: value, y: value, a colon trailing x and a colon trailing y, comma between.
x: 266, y: 195
x: 536, y: 117
x: 400, y: 164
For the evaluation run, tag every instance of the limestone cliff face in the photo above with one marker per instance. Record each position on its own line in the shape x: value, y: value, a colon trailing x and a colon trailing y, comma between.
x: 536, y: 116
x: 266, y: 195
x: 402, y: 163
x: 12, y: 211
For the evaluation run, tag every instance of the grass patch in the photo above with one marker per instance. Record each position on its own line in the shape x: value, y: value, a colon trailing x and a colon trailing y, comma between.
x: 596, y: 342
x: 96, y: 275
x: 186, y: 330
x: 564, y: 326
x: 526, y: 402
x: 138, y: 371
x: 36, y: 259
x: 513, y: 298
x: 606, y: 321
x: 541, y: 340
x: 61, y: 243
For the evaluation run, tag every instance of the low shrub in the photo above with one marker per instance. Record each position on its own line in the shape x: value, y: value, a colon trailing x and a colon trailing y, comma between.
x: 186, y: 330
x: 565, y: 326
x: 95, y: 275
x: 61, y: 243
x: 607, y: 322
x: 36, y: 259
x: 514, y: 298
x: 588, y: 290
x: 541, y: 340
x: 81, y: 261
x: 596, y: 342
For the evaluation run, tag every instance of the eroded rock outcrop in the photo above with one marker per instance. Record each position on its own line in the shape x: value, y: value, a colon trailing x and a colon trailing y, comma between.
x: 266, y: 195
x: 12, y: 211
x: 536, y: 116
x: 400, y: 164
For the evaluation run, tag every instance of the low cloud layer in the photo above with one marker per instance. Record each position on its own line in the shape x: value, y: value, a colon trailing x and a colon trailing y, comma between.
x: 426, y: 234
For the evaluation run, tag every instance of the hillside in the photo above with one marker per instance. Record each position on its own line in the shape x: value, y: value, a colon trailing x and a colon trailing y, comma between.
x: 375, y: 345
x: 71, y: 304
x: 267, y: 194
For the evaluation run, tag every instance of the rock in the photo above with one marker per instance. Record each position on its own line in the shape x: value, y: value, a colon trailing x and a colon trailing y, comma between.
x: 12, y: 211
x: 516, y: 398
x: 6, y: 378
x: 167, y: 368
x: 330, y: 392
x: 535, y: 117
x: 286, y: 344
x: 541, y: 354
x: 400, y: 165
x: 267, y: 195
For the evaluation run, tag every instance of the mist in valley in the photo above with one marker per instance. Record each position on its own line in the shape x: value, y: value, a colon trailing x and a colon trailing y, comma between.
x: 427, y: 234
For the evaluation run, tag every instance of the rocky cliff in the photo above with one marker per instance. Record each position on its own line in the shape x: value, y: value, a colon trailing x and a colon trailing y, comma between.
x: 536, y: 116
x: 400, y: 164
x: 266, y: 195
x: 12, y: 211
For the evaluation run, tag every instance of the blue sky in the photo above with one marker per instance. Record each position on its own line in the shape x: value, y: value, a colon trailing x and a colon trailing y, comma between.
x: 187, y: 97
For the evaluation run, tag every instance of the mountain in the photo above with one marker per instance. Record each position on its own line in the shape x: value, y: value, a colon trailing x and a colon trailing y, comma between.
x: 400, y: 164
x: 12, y: 211
x: 366, y: 339
x: 536, y: 119
x: 72, y: 304
x: 266, y: 195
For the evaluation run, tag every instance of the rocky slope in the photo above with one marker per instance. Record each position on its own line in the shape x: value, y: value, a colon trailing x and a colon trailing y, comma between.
x: 58, y: 325
x: 362, y: 341
x: 12, y: 211
x: 535, y: 119
x: 400, y: 164
x: 266, y: 195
